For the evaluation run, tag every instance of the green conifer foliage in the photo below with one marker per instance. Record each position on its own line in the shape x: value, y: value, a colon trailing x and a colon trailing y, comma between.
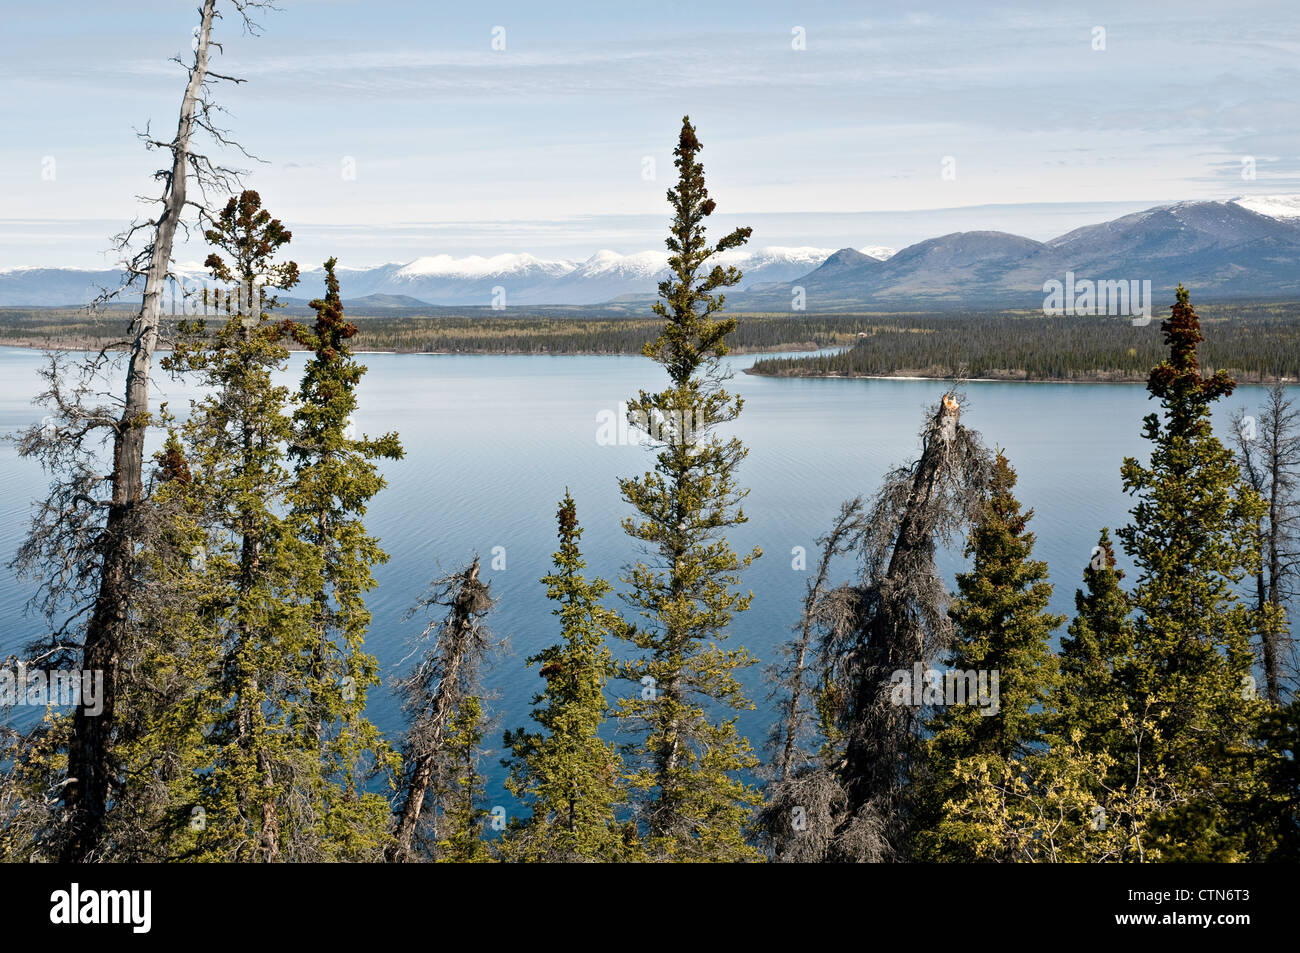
x: 252, y: 628
x: 259, y: 627
x: 566, y: 774
x: 1097, y: 656
x: 1192, y: 539
x: 1002, y: 633
x: 334, y: 478
x: 695, y: 805
x: 460, y: 791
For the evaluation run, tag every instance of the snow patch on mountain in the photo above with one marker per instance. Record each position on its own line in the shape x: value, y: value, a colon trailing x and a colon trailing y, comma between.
x: 478, y: 266
x: 1283, y: 207
x: 608, y: 264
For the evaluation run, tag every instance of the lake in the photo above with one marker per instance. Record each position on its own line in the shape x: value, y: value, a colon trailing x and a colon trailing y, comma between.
x: 492, y: 442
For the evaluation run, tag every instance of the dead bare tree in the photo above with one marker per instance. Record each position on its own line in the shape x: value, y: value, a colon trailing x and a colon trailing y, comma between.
x: 798, y: 787
x: 85, y: 538
x: 852, y: 806
x: 793, y: 686
x: 849, y: 804
x: 902, y: 619
x: 444, y: 677
x: 1268, y: 452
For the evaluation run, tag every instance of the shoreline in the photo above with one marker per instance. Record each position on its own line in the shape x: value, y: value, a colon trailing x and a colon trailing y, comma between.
x: 739, y: 351
x: 964, y: 380
x: 991, y: 380
x: 798, y: 348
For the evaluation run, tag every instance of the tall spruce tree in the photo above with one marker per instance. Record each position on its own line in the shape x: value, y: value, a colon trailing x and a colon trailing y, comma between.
x: 255, y: 675
x: 569, y: 777
x: 335, y: 476
x: 695, y: 805
x: 253, y: 783
x: 1192, y: 540
x: 1002, y: 633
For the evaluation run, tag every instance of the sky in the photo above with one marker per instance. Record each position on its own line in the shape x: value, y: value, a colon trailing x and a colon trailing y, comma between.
x: 389, y: 130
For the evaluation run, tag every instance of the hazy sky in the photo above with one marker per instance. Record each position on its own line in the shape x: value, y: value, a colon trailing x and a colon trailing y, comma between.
x: 459, y: 148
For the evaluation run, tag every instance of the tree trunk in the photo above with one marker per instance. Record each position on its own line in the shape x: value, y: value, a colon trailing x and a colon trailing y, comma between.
x: 791, y: 722
x: 90, y: 765
x: 1276, y: 529
x: 894, y: 639
x: 448, y: 697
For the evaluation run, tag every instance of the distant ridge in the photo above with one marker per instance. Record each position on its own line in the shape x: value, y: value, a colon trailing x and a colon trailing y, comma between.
x: 1245, y: 248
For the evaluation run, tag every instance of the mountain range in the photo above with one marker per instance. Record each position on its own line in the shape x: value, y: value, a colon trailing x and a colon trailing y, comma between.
x: 1240, y: 248
x: 1237, y: 249
x: 447, y: 280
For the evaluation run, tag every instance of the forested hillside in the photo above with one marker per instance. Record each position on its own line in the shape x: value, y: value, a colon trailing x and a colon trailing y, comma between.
x: 1255, y: 342
x: 485, y: 333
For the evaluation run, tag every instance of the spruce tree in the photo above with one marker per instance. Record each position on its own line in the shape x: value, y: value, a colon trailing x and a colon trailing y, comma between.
x: 1081, y: 800
x: 1192, y: 540
x: 1003, y: 632
x: 691, y: 753
x: 335, y: 477
x: 1069, y: 799
x: 250, y: 624
x: 459, y: 791
x: 1097, y: 657
x: 567, y: 776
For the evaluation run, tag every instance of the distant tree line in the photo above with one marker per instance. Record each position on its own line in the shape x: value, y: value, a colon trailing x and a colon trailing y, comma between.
x: 478, y: 334
x: 1252, y: 341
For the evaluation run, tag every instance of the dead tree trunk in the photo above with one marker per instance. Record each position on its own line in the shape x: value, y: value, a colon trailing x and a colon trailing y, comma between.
x: 902, y: 621
x: 1269, y: 458
x: 794, y: 678
x: 1281, y: 555
x: 434, y: 691
x: 90, y: 766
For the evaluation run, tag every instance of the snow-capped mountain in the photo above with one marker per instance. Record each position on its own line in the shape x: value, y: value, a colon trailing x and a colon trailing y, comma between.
x: 445, y: 279
x: 1283, y: 207
x: 524, y: 279
x: 606, y: 264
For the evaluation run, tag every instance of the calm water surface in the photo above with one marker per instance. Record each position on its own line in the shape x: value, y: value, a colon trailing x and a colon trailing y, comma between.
x: 492, y: 442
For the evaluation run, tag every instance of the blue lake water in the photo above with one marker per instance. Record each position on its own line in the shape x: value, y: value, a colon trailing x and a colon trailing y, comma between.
x: 493, y: 441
